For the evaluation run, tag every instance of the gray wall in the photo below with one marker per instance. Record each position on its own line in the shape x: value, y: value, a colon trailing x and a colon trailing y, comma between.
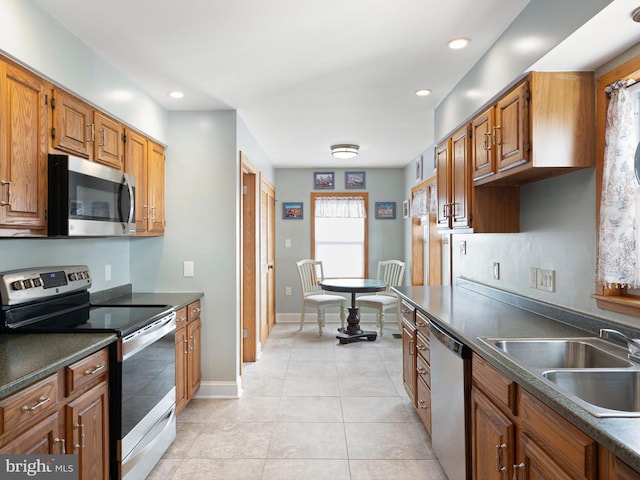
x: 386, y: 237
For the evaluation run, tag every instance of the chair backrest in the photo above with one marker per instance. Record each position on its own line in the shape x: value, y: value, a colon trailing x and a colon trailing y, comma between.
x: 391, y: 271
x: 311, y: 274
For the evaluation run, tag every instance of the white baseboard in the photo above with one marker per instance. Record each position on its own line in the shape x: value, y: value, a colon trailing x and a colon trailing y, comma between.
x: 228, y: 389
x: 328, y: 317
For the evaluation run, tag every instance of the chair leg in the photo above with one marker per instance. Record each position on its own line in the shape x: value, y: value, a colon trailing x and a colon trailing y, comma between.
x: 342, y: 317
x: 320, y: 321
x: 381, y: 320
x: 302, y: 318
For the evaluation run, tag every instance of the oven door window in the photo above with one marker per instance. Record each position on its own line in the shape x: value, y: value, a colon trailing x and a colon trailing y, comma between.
x: 147, y: 377
x: 93, y: 198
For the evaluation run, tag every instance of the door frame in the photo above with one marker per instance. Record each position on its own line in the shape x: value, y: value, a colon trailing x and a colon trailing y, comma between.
x: 248, y: 261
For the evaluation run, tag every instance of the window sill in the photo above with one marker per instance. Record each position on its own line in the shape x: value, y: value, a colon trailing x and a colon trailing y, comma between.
x: 619, y: 303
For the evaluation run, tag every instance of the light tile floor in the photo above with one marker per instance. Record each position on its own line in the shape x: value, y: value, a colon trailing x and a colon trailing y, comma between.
x: 312, y: 409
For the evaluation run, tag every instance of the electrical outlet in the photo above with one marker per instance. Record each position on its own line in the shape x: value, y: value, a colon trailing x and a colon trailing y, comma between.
x: 187, y: 269
x: 533, y: 277
x: 546, y: 280
x: 496, y: 271
x: 463, y: 247
x: 107, y: 273
x: 287, y: 290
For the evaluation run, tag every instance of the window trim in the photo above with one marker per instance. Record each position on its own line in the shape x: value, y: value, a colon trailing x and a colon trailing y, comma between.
x: 365, y: 197
x: 611, y: 298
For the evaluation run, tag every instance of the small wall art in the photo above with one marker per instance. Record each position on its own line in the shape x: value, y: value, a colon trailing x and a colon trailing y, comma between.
x: 354, y: 180
x: 405, y: 209
x: 292, y: 210
x: 385, y: 210
x: 323, y: 181
x: 419, y: 169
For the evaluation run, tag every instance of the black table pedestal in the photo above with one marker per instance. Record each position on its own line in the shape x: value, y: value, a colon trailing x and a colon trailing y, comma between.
x: 353, y: 333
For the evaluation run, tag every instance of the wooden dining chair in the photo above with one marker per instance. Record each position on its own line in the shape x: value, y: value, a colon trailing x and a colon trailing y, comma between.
x: 311, y: 274
x: 391, y: 271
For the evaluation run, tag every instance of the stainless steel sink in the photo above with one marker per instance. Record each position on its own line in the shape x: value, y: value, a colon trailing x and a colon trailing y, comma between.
x: 551, y: 353
x: 603, y: 393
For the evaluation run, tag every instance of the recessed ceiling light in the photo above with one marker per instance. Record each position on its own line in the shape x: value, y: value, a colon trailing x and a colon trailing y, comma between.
x: 176, y: 94
x: 423, y: 92
x: 458, y: 43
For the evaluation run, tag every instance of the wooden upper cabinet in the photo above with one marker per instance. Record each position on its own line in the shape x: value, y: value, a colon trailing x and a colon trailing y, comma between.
x: 72, y: 130
x: 135, y: 163
x: 109, y: 141
x: 443, y: 179
x: 23, y: 151
x: 511, y: 131
x: 543, y: 126
x: 155, y: 189
x: 482, y: 148
x: 81, y: 130
x: 460, y: 210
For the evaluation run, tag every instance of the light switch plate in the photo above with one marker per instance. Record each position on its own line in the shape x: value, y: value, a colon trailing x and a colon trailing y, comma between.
x: 187, y: 269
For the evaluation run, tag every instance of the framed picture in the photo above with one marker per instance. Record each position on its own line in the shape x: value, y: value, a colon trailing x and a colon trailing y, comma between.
x: 405, y: 209
x: 386, y: 210
x: 354, y: 180
x: 292, y: 210
x: 419, y: 169
x: 323, y: 181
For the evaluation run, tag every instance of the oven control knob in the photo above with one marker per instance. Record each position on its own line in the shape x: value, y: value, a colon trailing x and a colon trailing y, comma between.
x: 37, y: 282
x: 17, y: 285
x: 73, y: 276
x: 27, y: 283
x: 87, y: 275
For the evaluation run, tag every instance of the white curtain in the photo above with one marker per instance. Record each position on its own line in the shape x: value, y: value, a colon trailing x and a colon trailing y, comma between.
x: 420, y: 203
x: 617, y: 243
x: 340, y: 207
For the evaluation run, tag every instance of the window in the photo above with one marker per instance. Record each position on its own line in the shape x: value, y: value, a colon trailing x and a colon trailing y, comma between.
x: 339, y: 227
x: 617, y: 296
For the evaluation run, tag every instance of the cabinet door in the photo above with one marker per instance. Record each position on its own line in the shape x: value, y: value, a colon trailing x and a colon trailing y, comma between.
x: 41, y: 439
x: 537, y: 465
x: 109, y: 145
x: 512, y: 128
x: 135, y: 163
x: 460, y: 179
x: 155, y: 185
x: 409, y: 359
x: 23, y: 149
x: 73, y: 128
x: 493, y: 440
x: 482, y: 149
x: 182, y: 355
x: 194, y: 367
x: 87, y: 430
x: 443, y: 179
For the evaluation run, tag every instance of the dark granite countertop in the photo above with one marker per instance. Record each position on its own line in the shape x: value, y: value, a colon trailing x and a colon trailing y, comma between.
x: 469, y: 310
x: 124, y: 295
x: 25, y: 359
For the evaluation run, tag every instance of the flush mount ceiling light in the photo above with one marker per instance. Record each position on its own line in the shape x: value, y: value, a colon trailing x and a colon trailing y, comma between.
x: 635, y: 15
x: 344, y: 150
x: 423, y: 92
x: 458, y: 43
x: 176, y: 94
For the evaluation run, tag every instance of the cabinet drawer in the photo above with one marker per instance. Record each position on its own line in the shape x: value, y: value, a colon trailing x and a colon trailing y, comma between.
x: 408, y: 312
x: 423, y: 404
x: 32, y: 403
x: 181, y: 317
x: 568, y: 446
x: 422, y: 346
x: 193, y: 310
x: 86, y: 371
x: 424, y: 370
x: 422, y: 324
x: 496, y: 385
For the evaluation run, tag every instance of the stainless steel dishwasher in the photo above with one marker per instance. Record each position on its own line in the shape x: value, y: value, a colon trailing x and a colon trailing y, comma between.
x: 450, y: 376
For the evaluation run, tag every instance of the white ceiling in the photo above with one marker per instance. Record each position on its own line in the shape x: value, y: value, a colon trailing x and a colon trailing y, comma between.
x: 305, y: 74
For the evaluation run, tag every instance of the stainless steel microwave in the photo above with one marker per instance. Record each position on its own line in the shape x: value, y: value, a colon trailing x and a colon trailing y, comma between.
x: 89, y: 199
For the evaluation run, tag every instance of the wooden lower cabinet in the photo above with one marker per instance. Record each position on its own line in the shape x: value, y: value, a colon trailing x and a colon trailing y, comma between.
x: 518, y: 437
x: 409, y: 359
x: 44, y: 419
x: 612, y: 468
x: 188, y: 357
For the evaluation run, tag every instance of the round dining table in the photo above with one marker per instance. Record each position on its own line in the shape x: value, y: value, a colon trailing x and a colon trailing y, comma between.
x: 352, y: 332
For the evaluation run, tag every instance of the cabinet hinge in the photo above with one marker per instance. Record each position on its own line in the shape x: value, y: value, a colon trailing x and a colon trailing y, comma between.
x: 245, y: 333
x: 53, y: 132
x: 46, y: 214
x: 470, y: 219
x: 527, y: 95
x: 527, y: 146
x: 124, y: 138
x: 46, y: 99
x: 53, y: 103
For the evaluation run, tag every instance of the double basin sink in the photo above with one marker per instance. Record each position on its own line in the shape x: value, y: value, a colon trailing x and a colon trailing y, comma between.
x: 592, y: 372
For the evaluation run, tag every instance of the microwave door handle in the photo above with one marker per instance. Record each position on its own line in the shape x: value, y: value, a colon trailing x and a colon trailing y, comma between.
x: 132, y: 205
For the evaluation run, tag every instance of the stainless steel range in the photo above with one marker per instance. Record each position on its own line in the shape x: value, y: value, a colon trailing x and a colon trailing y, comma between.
x: 142, y: 386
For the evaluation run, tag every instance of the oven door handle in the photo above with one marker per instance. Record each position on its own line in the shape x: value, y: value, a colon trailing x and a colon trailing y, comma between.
x: 133, y: 343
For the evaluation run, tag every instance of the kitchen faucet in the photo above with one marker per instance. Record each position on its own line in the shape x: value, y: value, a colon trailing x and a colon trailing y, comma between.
x: 633, y: 344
